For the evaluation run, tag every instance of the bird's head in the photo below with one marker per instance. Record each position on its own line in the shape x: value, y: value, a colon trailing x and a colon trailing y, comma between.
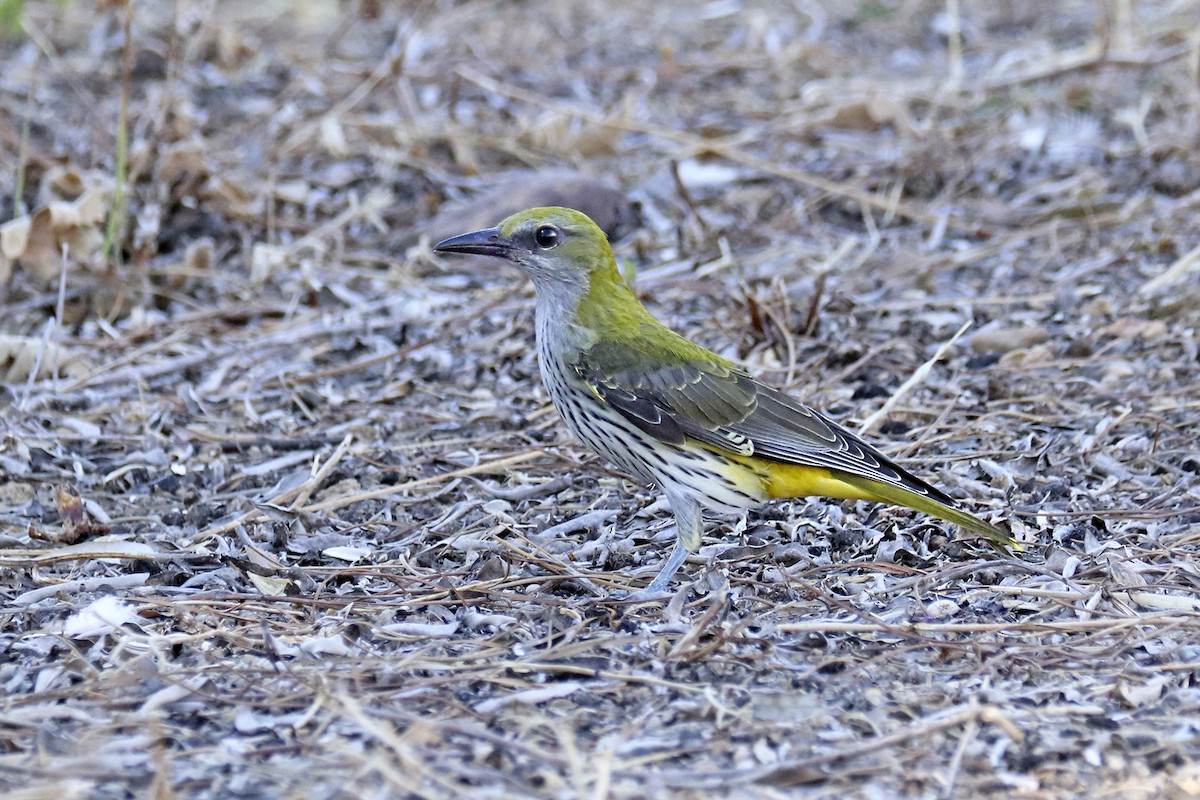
x: 560, y: 249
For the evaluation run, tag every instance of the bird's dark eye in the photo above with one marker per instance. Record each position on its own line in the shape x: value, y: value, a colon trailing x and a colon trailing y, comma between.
x: 546, y: 237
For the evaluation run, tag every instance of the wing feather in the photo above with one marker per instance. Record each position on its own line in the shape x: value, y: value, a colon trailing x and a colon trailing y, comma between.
x: 642, y: 411
x: 723, y: 407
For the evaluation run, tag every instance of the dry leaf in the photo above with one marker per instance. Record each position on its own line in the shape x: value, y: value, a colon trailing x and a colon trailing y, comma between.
x: 197, y: 259
x: 333, y: 137
x: 70, y: 506
x: 62, y: 182
x: 21, y: 355
x: 870, y: 113
x: 37, y: 241
x: 77, y: 525
x: 109, y: 549
x: 199, y: 254
x: 272, y: 587
x: 1005, y: 339
x: 1141, y: 694
x: 233, y: 50
x: 1186, y: 778
x: 14, y: 236
x: 347, y: 554
x: 567, y: 135
x: 1164, y: 602
x: 266, y: 260
x: 1135, y: 328
x: 463, y: 151
x: 231, y: 198
x: 1027, y: 357
x: 293, y: 191
x: 183, y: 161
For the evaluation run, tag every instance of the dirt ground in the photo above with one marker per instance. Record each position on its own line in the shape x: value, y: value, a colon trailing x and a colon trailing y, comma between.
x: 284, y: 511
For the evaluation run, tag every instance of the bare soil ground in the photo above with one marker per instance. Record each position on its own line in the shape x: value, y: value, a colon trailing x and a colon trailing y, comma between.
x: 284, y: 511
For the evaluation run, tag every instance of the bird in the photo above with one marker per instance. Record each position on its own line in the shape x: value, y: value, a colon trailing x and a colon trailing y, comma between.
x: 670, y: 412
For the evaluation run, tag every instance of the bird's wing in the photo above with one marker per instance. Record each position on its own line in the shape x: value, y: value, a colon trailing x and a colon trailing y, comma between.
x: 713, y: 402
x: 669, y: 397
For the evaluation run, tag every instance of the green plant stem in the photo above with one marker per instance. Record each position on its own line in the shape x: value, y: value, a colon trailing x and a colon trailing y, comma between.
x: 120, y: 205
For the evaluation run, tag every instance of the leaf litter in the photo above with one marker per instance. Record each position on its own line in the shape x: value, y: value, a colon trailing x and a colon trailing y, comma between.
x: 284, y: 510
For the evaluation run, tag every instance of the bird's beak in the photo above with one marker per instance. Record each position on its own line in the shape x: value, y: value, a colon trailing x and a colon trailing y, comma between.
x: 487, y: 242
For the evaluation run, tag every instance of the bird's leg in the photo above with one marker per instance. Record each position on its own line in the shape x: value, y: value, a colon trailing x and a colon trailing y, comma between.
x: 689, y: 525
x: 669, y: 568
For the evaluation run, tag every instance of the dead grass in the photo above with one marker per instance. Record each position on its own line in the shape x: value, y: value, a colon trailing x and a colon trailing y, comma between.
x: 284, y: 511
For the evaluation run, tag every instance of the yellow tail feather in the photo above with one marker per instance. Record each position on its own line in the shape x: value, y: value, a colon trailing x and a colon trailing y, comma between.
x: 796, y: 481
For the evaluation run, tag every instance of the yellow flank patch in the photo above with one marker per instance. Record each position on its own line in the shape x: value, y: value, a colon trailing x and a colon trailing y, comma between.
x: 794, y: 480
x: 774, y: 479
x: 778, y: 480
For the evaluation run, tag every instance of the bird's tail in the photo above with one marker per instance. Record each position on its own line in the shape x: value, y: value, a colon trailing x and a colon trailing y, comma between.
x: 878, y: 490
